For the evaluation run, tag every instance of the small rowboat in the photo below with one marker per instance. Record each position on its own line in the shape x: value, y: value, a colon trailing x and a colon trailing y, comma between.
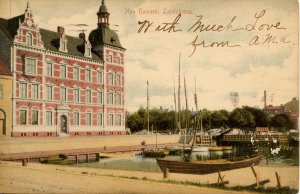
x: 207, y: 166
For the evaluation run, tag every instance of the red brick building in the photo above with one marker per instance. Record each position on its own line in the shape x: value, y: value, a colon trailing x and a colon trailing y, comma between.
x: 63, y: 85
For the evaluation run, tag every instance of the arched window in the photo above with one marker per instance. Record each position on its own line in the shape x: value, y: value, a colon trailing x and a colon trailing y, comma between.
x: 29, y: 38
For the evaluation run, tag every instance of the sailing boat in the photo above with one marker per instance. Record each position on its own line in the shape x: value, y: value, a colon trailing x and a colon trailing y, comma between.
x: 155, y: 152
x: 186, y: 166
x: 197, y: 119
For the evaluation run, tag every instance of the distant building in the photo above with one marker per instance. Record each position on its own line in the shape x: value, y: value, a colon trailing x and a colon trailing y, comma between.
x: 291, y: 108
x: 273, y: 110
x: 5, y: 100
x: 62, y: 85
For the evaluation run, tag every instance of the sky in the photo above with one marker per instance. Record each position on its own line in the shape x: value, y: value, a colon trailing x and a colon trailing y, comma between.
x: 260, y: 47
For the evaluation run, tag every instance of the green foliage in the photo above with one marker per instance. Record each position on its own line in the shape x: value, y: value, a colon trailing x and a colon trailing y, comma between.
x: 241, y: 118
x: 282, y: 123
x: 245, y: 118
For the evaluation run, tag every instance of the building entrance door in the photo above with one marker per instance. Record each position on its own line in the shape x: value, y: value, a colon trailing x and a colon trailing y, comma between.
x: 63, y: 124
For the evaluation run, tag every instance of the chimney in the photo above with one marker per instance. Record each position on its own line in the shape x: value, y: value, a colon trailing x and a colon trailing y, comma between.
x: 82, y: 37
x: 61, y: 31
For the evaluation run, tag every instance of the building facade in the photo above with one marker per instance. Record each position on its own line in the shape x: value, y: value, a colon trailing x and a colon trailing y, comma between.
x: 63, y: 85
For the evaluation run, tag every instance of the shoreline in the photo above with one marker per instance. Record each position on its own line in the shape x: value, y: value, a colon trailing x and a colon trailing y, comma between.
x: 51, y: 178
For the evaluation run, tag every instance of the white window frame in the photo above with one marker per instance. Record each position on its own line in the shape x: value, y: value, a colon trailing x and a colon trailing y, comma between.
x: 100, y: 80
x: 89, y: 122
x: 111, y: 80
x: 29, y: 39
x: 49, y: 121
x: 33, y: 91
x: 119, y: 81
x: 110, y: 98
x: 61, y: 71
x: 76, y: 122
x: 47, y: 68
x: 76, y: 76
x: 111, y: 119
x: 47, y: 95
x: 61, y: 94
x: 26, y: 117
x: 21, y: 93
x: 118, y: 99
x: 88, y: 75
x: 37, y: 114
x: 74, y: 96
x: 34, y: 68
x: 100, y: 96
x: 100, y: 119
x: 118, y: 119
x: 88, y: 100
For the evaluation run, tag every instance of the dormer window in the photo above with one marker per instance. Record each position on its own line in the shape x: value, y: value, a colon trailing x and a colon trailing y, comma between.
x: 63, y: 45
x: 29, y: 39
x: 87, y: 50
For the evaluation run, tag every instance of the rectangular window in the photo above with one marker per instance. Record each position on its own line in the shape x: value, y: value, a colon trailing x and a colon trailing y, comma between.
x: 110, y: 98
x: 88, y: 96
x: 100, y: 77
x: 76, y: 73
x: 100, y: 97
x: 35, y: 91
x: 30, y: 66
x: 118, y: 120
x: 23, y: 117
x: 110, y: 58
x: 111, y: 78
x: 76, y: 95
x: 48, y: 92
x: 63, y: 71
x: 88, y: 119
x: 100, y: 119
x: 88, y: 75
x: 111, y: 119
x: 119, y: 79
x: 76, y: 118
x: 63, y: 94
x: 49, y: 118
x: 49, y: 69
x: 118, y: 60
x: 118, y: 99
x: 1, y: 91
x: 23, y: 90
x: 34, y: 117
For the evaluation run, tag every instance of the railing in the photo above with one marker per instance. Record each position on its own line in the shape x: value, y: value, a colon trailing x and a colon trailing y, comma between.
x: 261, y: 138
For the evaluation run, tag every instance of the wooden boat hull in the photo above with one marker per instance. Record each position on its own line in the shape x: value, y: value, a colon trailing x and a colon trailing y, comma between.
x: 155, y: 153
x: 207, y: 166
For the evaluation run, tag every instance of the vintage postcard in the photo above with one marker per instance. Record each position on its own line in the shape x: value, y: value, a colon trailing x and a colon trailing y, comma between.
x: 149, y: 96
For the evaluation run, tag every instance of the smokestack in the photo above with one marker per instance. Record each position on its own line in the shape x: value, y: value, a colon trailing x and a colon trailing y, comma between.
x: 265, y: 98
x: 61, y: 31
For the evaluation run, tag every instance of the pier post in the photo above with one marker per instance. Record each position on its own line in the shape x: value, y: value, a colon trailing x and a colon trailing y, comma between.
x: 76, y: 158
x: 24, y: 162
x: 166, y: 173
x: 97, y: 157
x: 87, y: 158
x: 278, y: 180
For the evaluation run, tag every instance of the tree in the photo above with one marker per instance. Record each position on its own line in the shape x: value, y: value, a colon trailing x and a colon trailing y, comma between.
x: 260, y: 117
x: 134, y: 122
x: 241, y: 118
x: 282, y: 122
x: 219, y: 119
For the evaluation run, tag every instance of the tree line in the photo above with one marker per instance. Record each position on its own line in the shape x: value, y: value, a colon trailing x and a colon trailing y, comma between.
x: 246, y: 118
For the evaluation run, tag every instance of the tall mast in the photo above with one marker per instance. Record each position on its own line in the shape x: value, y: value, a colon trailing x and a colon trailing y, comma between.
x: 196, y: 104
x: 179, y: 124
x: 186, y: 110
x: 148, y: 106
x: 176, y: 122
